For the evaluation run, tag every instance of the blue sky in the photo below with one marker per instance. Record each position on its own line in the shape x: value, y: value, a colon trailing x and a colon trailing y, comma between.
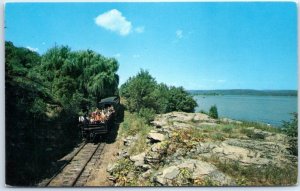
x: 194, y: 45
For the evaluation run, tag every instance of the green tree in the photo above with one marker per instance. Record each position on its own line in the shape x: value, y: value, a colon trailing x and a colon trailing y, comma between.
x: 213, y: 112
x: 138, y: 91
x: 84, y: 75
x: 180, y: 100
x: 142, y: 91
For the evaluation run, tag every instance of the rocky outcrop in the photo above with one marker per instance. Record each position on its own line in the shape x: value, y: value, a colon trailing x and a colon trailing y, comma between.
x: 186, y: 148
x: 139, y: 160
x: 189, y: 171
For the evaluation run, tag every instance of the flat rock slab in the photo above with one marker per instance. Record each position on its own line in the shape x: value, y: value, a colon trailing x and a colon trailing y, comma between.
x: 198, y: 169
x: 201, y: 117
x: 138, y: 159
x: 208, y: 124
x: 156, y: 136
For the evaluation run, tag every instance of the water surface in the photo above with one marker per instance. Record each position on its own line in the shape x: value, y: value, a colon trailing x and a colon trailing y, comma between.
x: 266, y: 109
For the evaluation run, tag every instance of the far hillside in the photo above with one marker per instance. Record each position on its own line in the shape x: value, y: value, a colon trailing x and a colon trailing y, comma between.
x: 245, y: 92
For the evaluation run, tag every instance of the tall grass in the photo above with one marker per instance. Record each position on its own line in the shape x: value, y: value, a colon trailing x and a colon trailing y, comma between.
x: 256, y: 175
x: 260, y: 126
x: 134, y: 125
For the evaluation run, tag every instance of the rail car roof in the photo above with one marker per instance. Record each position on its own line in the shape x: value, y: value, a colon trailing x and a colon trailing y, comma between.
x: 110, y: 99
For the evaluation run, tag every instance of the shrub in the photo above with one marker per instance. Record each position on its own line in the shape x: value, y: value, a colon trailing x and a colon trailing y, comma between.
x: 147, y: 114
x: 213, y: 112
x: 202, y: 111
x: 290, y: 128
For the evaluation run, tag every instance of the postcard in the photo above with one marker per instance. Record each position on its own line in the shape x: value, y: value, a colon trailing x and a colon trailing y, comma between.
x: 103, y: 94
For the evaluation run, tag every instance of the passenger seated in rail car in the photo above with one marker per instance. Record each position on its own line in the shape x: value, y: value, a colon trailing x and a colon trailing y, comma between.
x: 93, y: 117
x: 112, y: 109
x: 103, y: 116
x: 98, y: 115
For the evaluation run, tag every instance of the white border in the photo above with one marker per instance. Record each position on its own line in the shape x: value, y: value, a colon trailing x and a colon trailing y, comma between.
x: 2, y: 100
x: 122, y: 1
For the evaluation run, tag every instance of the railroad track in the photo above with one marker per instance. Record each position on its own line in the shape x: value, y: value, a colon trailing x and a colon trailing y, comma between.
x: 78, y: 169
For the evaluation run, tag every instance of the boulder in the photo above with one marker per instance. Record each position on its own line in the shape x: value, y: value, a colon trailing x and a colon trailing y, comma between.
x: 123, y: 154
x: 129, y: 140
x: 147, y: 174
x: 152, y: 157
x: 111, y: 167
x: 159, y: 124
x: 205, y: 147
x: 226, y: 120
x: 138, y: 159
x: 160, y: 147
x: 167, y: 175
x: 198, y: 169
x: 170, y: 172
x: 156, y: 137
x: 202, y: 170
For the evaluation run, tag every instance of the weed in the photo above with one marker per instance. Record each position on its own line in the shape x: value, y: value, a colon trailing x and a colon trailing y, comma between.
x: 227, y: 128
x: 256, y: 175
x: 251, y: 133
x: 205, y: 182
x: 185, y: 177
x: 260, y: 126
x: 218, y: 136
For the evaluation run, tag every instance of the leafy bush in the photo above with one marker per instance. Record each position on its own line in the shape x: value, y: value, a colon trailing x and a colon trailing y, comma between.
x: 290, y: 128
x: 202, y: 111
x: 180, y: 100
x: 147, y: 114
x: 213, y: 112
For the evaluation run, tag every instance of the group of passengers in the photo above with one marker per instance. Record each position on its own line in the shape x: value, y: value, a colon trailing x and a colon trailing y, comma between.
x: 98, y: 115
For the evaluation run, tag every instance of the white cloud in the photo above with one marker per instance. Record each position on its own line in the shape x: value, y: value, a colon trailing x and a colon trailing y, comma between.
x: 32, y: 49
x: 140, y: 29
x: 179, y: 34
x: 114, y: 21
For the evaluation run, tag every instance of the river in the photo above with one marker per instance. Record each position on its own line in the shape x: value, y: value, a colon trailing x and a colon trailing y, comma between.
x: 266, y: 109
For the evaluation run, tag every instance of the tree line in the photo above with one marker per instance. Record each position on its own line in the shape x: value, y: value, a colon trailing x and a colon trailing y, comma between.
x: 58, y: 83
x: 144, y: 95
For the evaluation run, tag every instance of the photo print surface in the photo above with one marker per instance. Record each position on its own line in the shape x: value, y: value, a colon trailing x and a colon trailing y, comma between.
x: 151, y: 94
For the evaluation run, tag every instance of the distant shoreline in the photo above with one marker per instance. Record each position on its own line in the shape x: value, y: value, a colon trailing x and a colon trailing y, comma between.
x: 244, y: 92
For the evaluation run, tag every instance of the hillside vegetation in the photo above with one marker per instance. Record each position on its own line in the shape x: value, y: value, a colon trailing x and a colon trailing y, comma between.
x: 43, y: 93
